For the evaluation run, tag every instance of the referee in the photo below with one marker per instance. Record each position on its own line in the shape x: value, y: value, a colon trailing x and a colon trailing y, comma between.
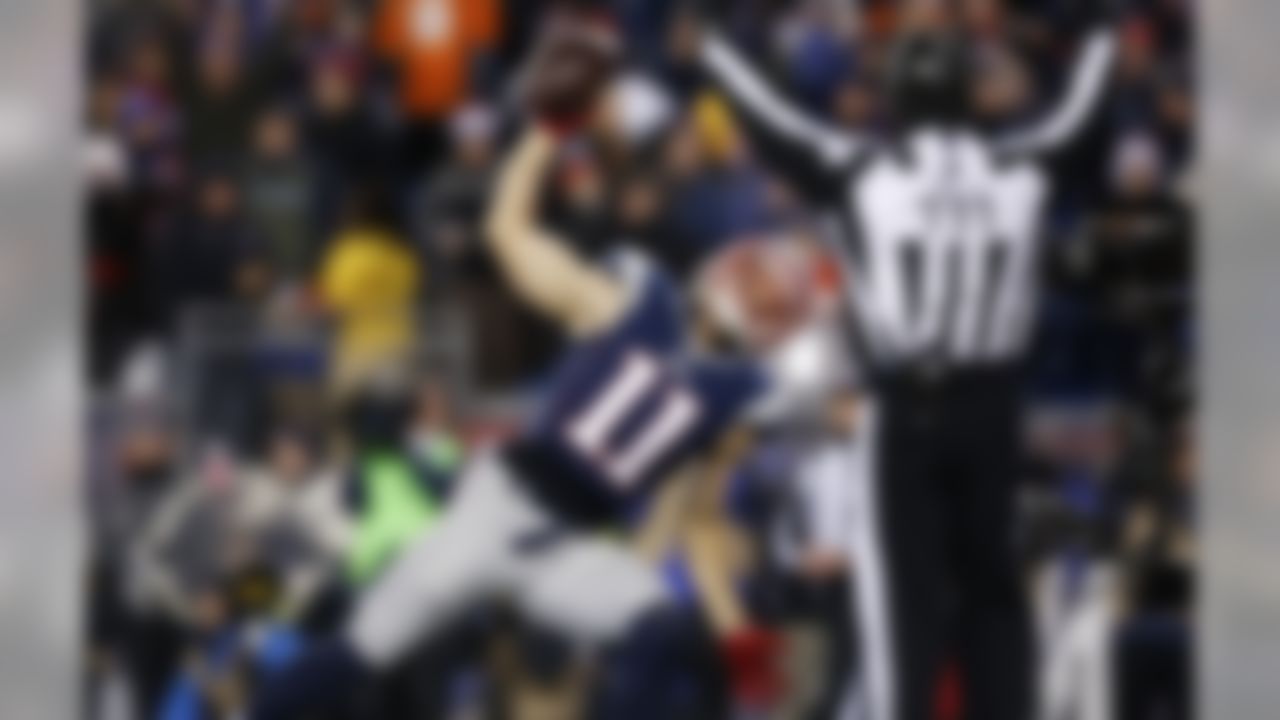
x: 938, y: 221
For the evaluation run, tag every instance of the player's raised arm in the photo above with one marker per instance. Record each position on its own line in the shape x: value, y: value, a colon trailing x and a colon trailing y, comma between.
x: 563, y: 86
x: 541, y: 268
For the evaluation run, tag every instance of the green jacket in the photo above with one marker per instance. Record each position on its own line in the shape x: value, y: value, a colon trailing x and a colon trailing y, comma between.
x: 396, y: 507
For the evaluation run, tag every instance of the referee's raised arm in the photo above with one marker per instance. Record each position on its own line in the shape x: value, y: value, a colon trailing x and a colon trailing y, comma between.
x: 811, y: 153
x: 1085, y: 89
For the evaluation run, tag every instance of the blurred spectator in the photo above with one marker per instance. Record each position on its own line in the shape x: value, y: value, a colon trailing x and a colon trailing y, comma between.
x: 854, y: 106
x: 279, y: 196
x: 640, y: 109
x: 293, y: 507
x: 1071, y: 536
x: 438, y: 49
x: 392, y: 503
x: 1003, y: 94
x: 149, y: 113
x: 290, y: 38
x: 678, y: 64
x: 207, y: 684
x: 454, y: 195
x: 180, y: 549
x: 1155, y: 648
x: 984, y: 18
x: 642, y: 219
x: 1177, y: 120
x: 125, y: 630
x: 1140, y: 262
x: 816, y: 42
x: 343, y: 138
x: 582, y: 211
x: 809, y: 541
x: 116, y: 310
x: 433, y: 438
x: 275, y: 534
x: 910, y: 15
x: 369, y: 281
x: 228, y: 646
x: 205, y: 279
x: 208, y: 254
x: 108, y: 158
x: 219, y: 110
x: 716, y: 193
x: 1136, y: 75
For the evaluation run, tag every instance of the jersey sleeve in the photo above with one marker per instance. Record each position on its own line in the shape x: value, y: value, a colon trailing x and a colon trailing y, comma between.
x: 801, y: 375
x: 811, y: 154
x: 653, y: 316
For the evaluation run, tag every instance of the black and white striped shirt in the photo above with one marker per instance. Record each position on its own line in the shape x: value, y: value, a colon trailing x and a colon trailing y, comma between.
x: 938, y: 228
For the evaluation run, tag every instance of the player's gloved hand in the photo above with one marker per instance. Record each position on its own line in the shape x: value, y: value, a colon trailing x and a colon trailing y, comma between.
x: 579, y: 53
x: 751, y: 658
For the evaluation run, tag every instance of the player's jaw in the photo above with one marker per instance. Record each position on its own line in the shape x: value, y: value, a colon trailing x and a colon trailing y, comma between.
x: 755, y: 293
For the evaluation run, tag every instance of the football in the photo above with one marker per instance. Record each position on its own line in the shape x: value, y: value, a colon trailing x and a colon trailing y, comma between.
x: 578, y: 54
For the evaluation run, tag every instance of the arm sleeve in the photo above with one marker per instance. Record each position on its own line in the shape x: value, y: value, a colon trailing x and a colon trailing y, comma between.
x: 809, y: 152
x: 537, y: 264
x: 1063, y: 123
x: 803, y: 374
x: 154, y: 582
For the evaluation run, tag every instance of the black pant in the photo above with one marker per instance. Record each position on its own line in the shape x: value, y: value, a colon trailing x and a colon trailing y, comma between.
x: 153, y: 651
x: 943, y: 492
x: 1154, y: 668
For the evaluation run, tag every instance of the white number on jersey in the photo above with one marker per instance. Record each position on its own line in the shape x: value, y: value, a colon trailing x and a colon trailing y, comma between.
x: 949, y: 251
x: 633, y: 383
x: 433, y: 21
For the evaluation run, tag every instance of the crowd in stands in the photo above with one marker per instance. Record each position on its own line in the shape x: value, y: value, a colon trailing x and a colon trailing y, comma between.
x: 283, y: 194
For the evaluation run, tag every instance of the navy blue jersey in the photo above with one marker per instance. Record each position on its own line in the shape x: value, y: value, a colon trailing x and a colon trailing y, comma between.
x: 626, y: 405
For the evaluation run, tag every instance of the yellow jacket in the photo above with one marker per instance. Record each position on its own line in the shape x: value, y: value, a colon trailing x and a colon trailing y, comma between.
x: 370, y: 282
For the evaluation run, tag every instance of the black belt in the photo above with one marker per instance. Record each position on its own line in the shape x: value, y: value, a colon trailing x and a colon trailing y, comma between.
x: 570, y: 500
x: 930, y: 375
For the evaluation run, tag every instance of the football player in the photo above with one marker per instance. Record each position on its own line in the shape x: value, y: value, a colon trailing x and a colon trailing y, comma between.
x: 641, y: 394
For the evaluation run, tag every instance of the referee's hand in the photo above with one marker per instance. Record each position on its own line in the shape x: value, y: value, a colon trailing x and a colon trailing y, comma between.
x: 1076, y: 15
